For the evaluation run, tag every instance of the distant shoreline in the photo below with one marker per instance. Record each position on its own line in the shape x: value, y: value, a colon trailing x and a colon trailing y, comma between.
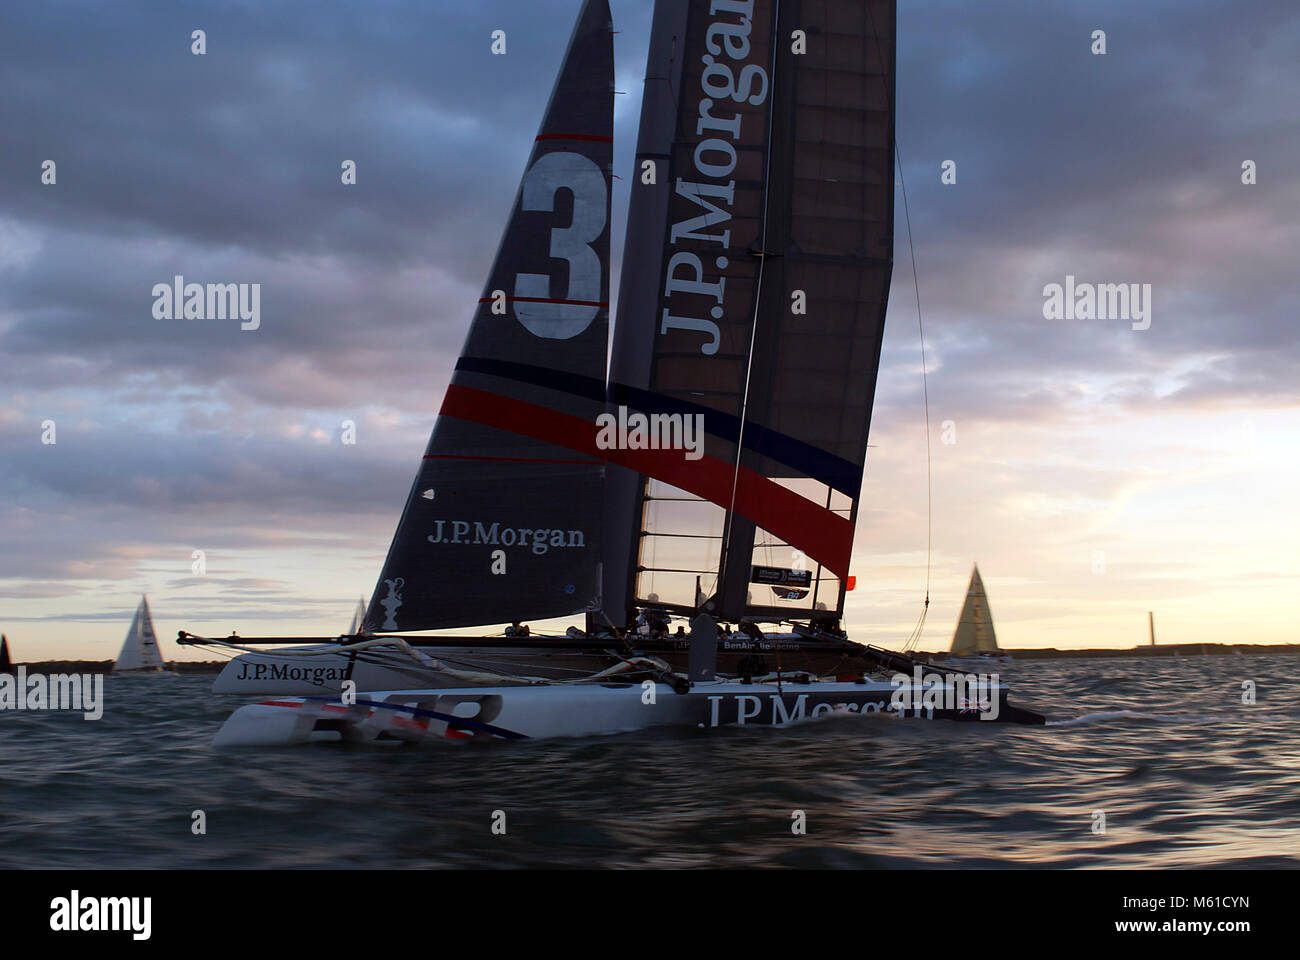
x: 106, y: 666
x: 1147, y: 650
x: 200, y: 667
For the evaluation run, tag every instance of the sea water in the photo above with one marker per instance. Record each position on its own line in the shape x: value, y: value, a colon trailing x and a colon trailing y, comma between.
x: 1146, y: 763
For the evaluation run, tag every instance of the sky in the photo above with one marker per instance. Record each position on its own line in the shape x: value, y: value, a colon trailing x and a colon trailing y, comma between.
x: 1095, y: 471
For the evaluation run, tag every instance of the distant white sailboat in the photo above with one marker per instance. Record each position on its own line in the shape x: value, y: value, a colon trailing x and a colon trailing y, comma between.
x: 358, y: 618
x: 140, y: 655
x: 974, y: 641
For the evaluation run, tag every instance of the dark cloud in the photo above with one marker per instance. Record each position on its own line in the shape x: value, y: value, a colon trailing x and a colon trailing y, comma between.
x: 1117, y: 168
x: 225, y: 168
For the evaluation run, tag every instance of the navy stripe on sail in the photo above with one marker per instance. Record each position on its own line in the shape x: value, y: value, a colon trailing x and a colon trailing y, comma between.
x: 836, y: 472
x: 589, y: 388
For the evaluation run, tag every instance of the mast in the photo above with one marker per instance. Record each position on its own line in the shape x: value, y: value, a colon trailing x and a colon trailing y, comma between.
x: 766, y: 251
x: 1151, y: 626
x: 638, y: 302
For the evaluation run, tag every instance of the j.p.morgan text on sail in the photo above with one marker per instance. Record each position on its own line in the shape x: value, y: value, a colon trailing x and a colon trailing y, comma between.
x: 471, y: 533
x: 715, y: 160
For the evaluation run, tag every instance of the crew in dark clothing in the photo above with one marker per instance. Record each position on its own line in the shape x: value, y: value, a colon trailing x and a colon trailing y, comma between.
x: 658, y: 623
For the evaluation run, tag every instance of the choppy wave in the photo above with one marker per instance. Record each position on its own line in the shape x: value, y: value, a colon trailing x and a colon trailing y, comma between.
x: 1183, y: 771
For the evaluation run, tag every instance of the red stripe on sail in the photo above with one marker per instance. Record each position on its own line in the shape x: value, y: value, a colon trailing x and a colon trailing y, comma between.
x: 572, y: 303
x: 822, y: 534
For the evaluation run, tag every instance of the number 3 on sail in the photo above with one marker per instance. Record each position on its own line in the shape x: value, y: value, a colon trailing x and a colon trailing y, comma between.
x: 566, y: 317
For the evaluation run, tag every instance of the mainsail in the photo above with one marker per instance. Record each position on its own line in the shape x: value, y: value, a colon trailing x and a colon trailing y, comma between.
x: 974, y: 633
x: 756, y: 273
x: 503, y: 520
x: 140, y: 651
x: 6, y: 665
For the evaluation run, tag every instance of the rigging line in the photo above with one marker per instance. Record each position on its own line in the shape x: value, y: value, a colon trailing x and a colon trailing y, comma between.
x: 920, y: 327
x: 925, y: 392
x: 725, y: 549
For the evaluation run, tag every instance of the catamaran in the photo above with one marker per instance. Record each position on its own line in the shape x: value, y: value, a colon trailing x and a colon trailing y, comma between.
x: 710, y: 576
x: 974, y: 642
x: 140, y: 655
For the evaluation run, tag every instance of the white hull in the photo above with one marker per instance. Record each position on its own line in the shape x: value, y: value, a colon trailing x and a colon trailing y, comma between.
x: 573, y: 710
x: 290, y: 673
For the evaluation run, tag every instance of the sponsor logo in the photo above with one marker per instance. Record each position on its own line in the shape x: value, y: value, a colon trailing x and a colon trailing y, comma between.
x: 316, y: 676
x: 391, y: 602
x: 749, y: 708
x: 728, y: 85
x: 780, y: 576
x: 473, y: 533
x: 750, y: 644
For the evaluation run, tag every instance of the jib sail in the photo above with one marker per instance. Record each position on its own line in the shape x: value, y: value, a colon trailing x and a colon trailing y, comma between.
x: 503, y: 520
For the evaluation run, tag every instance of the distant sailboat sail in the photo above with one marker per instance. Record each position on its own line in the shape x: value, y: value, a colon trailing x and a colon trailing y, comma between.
x: 974, y: 634
x: 6, y: 665
x: 358, y: 618
x: 756, y: 272
x: 140, y: 651
x: 503, y: 520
